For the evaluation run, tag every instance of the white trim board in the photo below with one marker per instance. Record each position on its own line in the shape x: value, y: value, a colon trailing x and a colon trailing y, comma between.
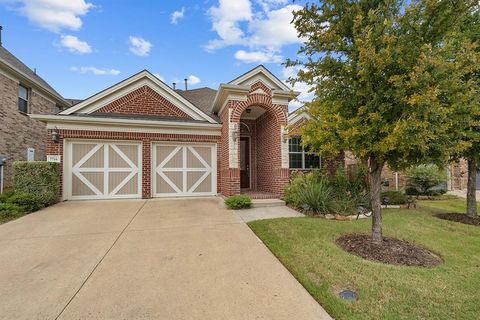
x: 127, y: 125
x: 260, y: 73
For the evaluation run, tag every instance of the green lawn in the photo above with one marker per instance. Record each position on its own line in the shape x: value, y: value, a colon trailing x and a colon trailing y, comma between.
x: 449, y: 291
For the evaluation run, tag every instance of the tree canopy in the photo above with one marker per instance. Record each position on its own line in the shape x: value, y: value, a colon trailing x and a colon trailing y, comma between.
x: 387, y: 81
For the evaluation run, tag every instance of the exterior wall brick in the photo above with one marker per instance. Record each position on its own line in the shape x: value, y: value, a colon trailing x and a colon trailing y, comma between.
x: 56, y: 148
x: 144, y: 101
x: 267, y: 174
x: 18, y: 131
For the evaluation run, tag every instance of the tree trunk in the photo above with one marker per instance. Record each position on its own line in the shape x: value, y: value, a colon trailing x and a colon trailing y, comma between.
x: 472, y: 189
x: 375, y: 177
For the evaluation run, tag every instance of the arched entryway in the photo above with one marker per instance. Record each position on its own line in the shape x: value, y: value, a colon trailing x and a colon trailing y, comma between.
x: 260, y: 149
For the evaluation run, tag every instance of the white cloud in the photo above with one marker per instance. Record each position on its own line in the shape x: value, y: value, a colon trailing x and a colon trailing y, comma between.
x: 139, y: 46
x: 267, y: 5
x: 304, y: 89
x: 264, y: 30
x: 177, y: 15
x: 275, y: 30
x: 226, y: 20
x: 55, y: 15
x: 96, y: 71
x: 257, y: 56
x: 73, y: 44
x: 193, y: 79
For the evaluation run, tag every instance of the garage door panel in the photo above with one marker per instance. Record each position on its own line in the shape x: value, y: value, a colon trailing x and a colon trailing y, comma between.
x: 129, y: 152
x: 198, y: 157
x: 123, y: 183
x: 93, y: 159
x: 116, y: 161
x: 184, y: 170
x: 176, y: 159
x: 80, y: 189
x: 80, y: 150
x: 164, y: 187
x: 104, y: 170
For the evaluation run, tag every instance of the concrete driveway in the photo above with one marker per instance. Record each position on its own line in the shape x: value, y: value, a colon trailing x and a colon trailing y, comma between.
x: 143, y: 259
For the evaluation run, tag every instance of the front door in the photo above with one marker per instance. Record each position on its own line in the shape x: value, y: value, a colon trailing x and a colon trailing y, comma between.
x: 244, y: 163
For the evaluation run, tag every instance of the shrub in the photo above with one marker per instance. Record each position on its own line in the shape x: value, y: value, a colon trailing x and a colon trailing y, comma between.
x: 393, y: 197
x: 322, y: 193
x: 239, y: 201
x: 27, y: 201
x: 425, y: 177
x: 10, y: 210
x: 411, y: 191
x: 4, y: 196
x: 291, y: 191
x: 38, y: 177
x: 317, y: 197
x: 436, y: 192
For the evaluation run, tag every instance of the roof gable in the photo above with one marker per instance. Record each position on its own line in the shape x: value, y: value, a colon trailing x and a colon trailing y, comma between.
x: 260, y: 73
x: 136, y: 82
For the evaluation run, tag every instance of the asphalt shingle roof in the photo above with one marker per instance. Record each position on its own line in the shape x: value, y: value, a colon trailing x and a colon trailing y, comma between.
x: 9, y: 59
x: 202, y: 98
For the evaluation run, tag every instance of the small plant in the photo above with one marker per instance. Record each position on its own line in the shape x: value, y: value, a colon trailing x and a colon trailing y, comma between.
x: 27, y: 201
x: 393, y: 198
x: 317, y: 197
x: 239, y: 201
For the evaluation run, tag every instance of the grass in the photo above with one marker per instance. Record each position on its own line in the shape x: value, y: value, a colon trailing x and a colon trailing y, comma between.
x: 449, y: 291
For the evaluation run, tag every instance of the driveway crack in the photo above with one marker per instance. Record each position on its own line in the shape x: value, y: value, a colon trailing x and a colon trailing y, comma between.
x: 100, y: 261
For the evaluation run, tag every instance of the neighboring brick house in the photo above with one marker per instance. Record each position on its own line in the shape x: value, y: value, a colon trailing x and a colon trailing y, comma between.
x: 142, y: 139
x: 23, y: 92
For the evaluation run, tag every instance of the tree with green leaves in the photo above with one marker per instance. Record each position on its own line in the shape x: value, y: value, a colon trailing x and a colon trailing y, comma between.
x: 468, y: 36
x: 386, y: 86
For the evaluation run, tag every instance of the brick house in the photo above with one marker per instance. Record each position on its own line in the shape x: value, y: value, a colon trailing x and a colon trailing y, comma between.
x: 142, y: 139
x: 23, y: 92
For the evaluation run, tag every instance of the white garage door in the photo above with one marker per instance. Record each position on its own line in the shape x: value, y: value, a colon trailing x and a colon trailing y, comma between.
x: 184, y: 169
x: 102, y: 170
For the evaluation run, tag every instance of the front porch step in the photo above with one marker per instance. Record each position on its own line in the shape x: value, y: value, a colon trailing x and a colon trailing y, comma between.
x: 262, y: 203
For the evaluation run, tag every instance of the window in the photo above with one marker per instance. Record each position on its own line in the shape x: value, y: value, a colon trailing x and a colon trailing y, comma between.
x: 22, y: 99
x: 300, y: 158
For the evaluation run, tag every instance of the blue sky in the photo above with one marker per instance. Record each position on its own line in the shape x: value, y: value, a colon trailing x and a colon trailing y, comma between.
x: 83, y: 46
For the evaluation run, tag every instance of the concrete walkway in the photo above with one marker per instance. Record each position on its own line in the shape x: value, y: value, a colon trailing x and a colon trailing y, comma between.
x: 137, y: 259
x: 267, y: 213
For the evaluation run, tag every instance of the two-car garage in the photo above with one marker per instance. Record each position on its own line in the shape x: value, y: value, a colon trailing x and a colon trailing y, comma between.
x: 115, y: 169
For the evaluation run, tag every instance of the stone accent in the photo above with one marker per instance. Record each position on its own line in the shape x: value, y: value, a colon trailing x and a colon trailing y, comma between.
x: 144, y: 101
x: 233, y: 130
x: 18, y: 131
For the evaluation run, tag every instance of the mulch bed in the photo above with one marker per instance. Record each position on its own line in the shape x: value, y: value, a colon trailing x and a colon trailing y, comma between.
x: 459, y: 217
x: 390, y: 251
